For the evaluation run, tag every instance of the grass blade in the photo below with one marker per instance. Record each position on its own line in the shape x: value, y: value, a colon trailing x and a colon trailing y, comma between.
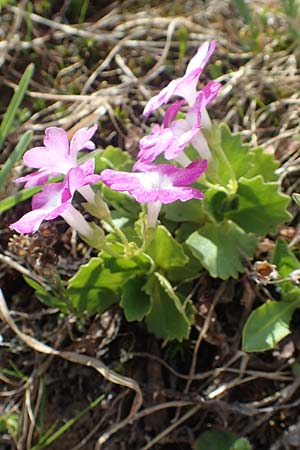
x: 244, y: 11
x: 13, y: 200
x: 45, y: 442
x: 15, y: 103
x: 14, y: 157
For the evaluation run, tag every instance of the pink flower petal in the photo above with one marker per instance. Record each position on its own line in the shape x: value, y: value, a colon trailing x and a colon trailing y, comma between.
x: 56, y: 140
x: 78, y: 177
x: 81, y: 139
x: 174, y: 135
x: 46, y: 205
x: 49, y: 197
x: 36, y: 178
x: 162, y: 183
x: 185, y: 86
x: 57, y: 156
x: 30, y: 222
x: 171, y: 113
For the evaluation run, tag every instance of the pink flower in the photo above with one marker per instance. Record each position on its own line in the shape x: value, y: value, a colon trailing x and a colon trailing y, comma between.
x: 174, y: 135
x: 55, y: 200
x: 57, y: 156
x: 185, y: 86
x: 157, y: 184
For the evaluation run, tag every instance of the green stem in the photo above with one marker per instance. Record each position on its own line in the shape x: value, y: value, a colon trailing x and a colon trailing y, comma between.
x: 117, y: 230
x: 214, y: 139
x: 219, y: 150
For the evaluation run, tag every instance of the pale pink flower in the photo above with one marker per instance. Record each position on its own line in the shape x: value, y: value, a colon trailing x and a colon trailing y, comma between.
x: 57, y: 156
x: 55, y: 200
x: 185, y: 86
x: 157, y: 184
x: 173, y: 136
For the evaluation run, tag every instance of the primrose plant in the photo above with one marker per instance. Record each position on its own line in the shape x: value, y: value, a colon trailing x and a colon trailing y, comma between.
x: 194, y: 199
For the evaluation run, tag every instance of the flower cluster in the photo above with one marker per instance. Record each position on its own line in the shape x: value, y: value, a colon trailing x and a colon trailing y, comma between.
x: 150, y: 183
x: 157, y: 184
x: 59, y: 157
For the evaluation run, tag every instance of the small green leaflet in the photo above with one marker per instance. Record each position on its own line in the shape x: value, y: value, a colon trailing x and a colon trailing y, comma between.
x: 220, y: 248
x: 267, y: 325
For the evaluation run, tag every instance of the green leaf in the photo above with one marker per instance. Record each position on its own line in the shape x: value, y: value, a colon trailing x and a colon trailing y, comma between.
x: 261, y: 206
x: 217, y: 203
x: 96, y: 285
x: 267, y: 325
x: 35, y: 285
x: 122, y: 202
x: 263, y: 164
x: 14, y: 157
x: 220, y: 248
x: 245, y: 161
x: 191, y: 211
x: 237, y: 153
x: 165, y: 250
x: 112, y: 158
x: 284, y: 259
x: 134, y: 301
x: 48, y: 298
x: 221, y: 440
x: 167, y: 319
x: 241, y: 444
x: 185, y: 273
x: 15, y: 103
x: 285, y: 262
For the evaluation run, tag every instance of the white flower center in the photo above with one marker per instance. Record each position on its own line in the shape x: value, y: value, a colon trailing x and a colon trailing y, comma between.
x: 155, y: 180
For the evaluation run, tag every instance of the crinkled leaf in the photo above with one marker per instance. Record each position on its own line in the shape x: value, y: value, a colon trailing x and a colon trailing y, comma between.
x: 167, y: 318
x: 267, y: 325
x: 237, y: 153
x: 165, y: 251
x: 220, y: 248
x: 95, y: 287
x: 245, y: 161
x: 191, y: 211
x: 185, y: 230
x: 217, y: 203
x: 263, y: 164
x: 261, y: 206
x: 135, y: 302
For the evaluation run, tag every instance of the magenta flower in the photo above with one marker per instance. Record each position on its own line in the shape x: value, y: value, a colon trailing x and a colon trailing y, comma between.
x: 57, y: 156
x: 55, y: 200
x: 185, y: 86
x: 157, y: 184
x: 174, y: 135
